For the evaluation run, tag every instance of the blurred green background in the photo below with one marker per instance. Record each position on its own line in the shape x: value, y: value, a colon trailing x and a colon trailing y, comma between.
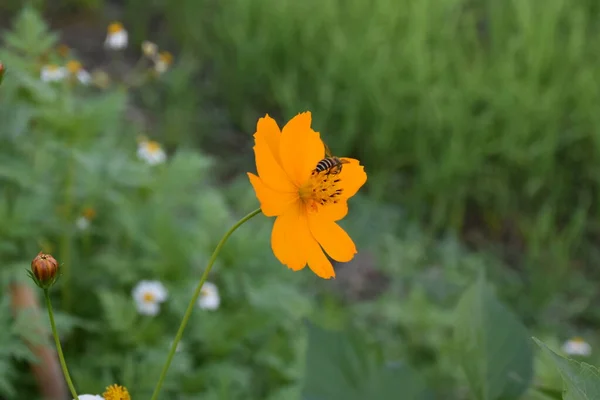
x: 478, y: 124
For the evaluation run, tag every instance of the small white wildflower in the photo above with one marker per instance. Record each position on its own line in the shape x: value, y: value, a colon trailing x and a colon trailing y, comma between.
x: 163, y: 61
x: 149, y: 49
x: 116, y: 37
x: 89, y: 397
x: 85, y: 219
x: 151, y: 152
x: 52, y: 73
x: 76, y: 70
x: 209, y: 297
x: 148, y: 295
x: 82, y: 223
x: 577, y: 347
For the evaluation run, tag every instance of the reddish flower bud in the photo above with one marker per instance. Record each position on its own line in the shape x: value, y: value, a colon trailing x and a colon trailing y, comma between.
x: 2, y: 70
x: 44, y: 269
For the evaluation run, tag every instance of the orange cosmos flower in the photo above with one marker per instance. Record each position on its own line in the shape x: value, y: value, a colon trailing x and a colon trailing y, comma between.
x: 307, y: 204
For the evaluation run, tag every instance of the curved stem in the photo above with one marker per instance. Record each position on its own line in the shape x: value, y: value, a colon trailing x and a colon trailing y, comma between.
x: 197, y: 292
x: 61, y: 357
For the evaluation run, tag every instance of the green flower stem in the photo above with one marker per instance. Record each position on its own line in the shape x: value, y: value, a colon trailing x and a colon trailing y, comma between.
x: 190, y: 307
x: 61, y: 356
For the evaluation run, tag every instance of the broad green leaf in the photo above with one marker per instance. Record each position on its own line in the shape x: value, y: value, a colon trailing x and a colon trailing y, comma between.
x: 493, y: 346
x: 341, y: 365
x: 581, y: 380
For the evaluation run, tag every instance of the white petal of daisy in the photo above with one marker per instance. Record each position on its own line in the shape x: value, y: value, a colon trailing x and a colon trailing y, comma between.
x: 117, y: 37
x: 151, y: 152
x: 162, y: 62
x: 148, y: 295
x: 90, y: 397
x: 209, y: 297
x: 52, y: 73
x: 82, y: 223
x: 84, y: 77
x: 577, y: 347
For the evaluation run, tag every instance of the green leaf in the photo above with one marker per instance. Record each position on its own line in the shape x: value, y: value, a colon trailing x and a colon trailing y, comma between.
x: 340, y: 365
x: 493, y: 346
x: 118, y: 310
x: 581, y: 380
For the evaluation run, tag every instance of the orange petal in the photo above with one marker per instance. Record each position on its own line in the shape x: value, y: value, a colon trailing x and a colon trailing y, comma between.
x: 272, y: 202
x: 269, y: 170
x: 294, y: 245
x: 285, y: 244
x: 334, y: 240
x: 334, y: 212
x: 301, y: 148
x: 268, y: 130
x: 318, y: 262
x: 352, y: 176
x: 266, y: 152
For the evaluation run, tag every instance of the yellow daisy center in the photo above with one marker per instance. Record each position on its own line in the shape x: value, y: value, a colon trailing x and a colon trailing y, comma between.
x: 116, y: 392
x: 149, y: 297
x: 152, y: 146
x: 321, y: 188
x: 74, y: 66
x: 115, y: 27
x: 166, y: 57
x: 52, y: 67
x: 578, y: 340
x: 89, y: 213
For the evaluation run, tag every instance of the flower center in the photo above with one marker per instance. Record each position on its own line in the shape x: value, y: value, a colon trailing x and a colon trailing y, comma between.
x: 89, y: 213
x: 320, y: 189
x: 149, y: 297
x: 74, y: 66
x: 166, y: 57
x: 115, y: 27
x: 152, y: 147
x: 116, y: 392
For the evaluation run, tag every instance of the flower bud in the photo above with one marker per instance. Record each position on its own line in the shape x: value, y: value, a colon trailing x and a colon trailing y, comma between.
x: 44, y: 270
x: 2, y: 70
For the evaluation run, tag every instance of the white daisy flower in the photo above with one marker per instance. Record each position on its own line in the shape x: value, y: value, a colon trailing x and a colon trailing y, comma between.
x: 149, y: 49
x: 577, y: 347
x: 148, y: 295
x: 85, y: 219
x: 151, y: 152
x: 76, y: 70
x: 209, y: 297
x: 162, y: 62
x: 89, y: 397
x: 116, y: 37
x: 82, y: 223
x: 53, y: 73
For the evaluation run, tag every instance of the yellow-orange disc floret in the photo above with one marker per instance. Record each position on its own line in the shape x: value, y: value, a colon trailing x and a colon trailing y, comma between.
x: 306, y: 204
x: 116, y: 392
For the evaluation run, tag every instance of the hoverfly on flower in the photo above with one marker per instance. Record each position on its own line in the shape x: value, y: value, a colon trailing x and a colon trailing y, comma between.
x: 331, y: 164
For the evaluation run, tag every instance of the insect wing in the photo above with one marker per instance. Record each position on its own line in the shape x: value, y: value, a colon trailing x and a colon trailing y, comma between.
x: 327, y: 151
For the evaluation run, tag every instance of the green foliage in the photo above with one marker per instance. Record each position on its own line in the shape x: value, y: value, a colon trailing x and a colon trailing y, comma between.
x: 581, y: 380
x: 493, y: 346
x: 65, y: 148
x: 344, y: 366
x: 492, y: 109
x: 462, y: 110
